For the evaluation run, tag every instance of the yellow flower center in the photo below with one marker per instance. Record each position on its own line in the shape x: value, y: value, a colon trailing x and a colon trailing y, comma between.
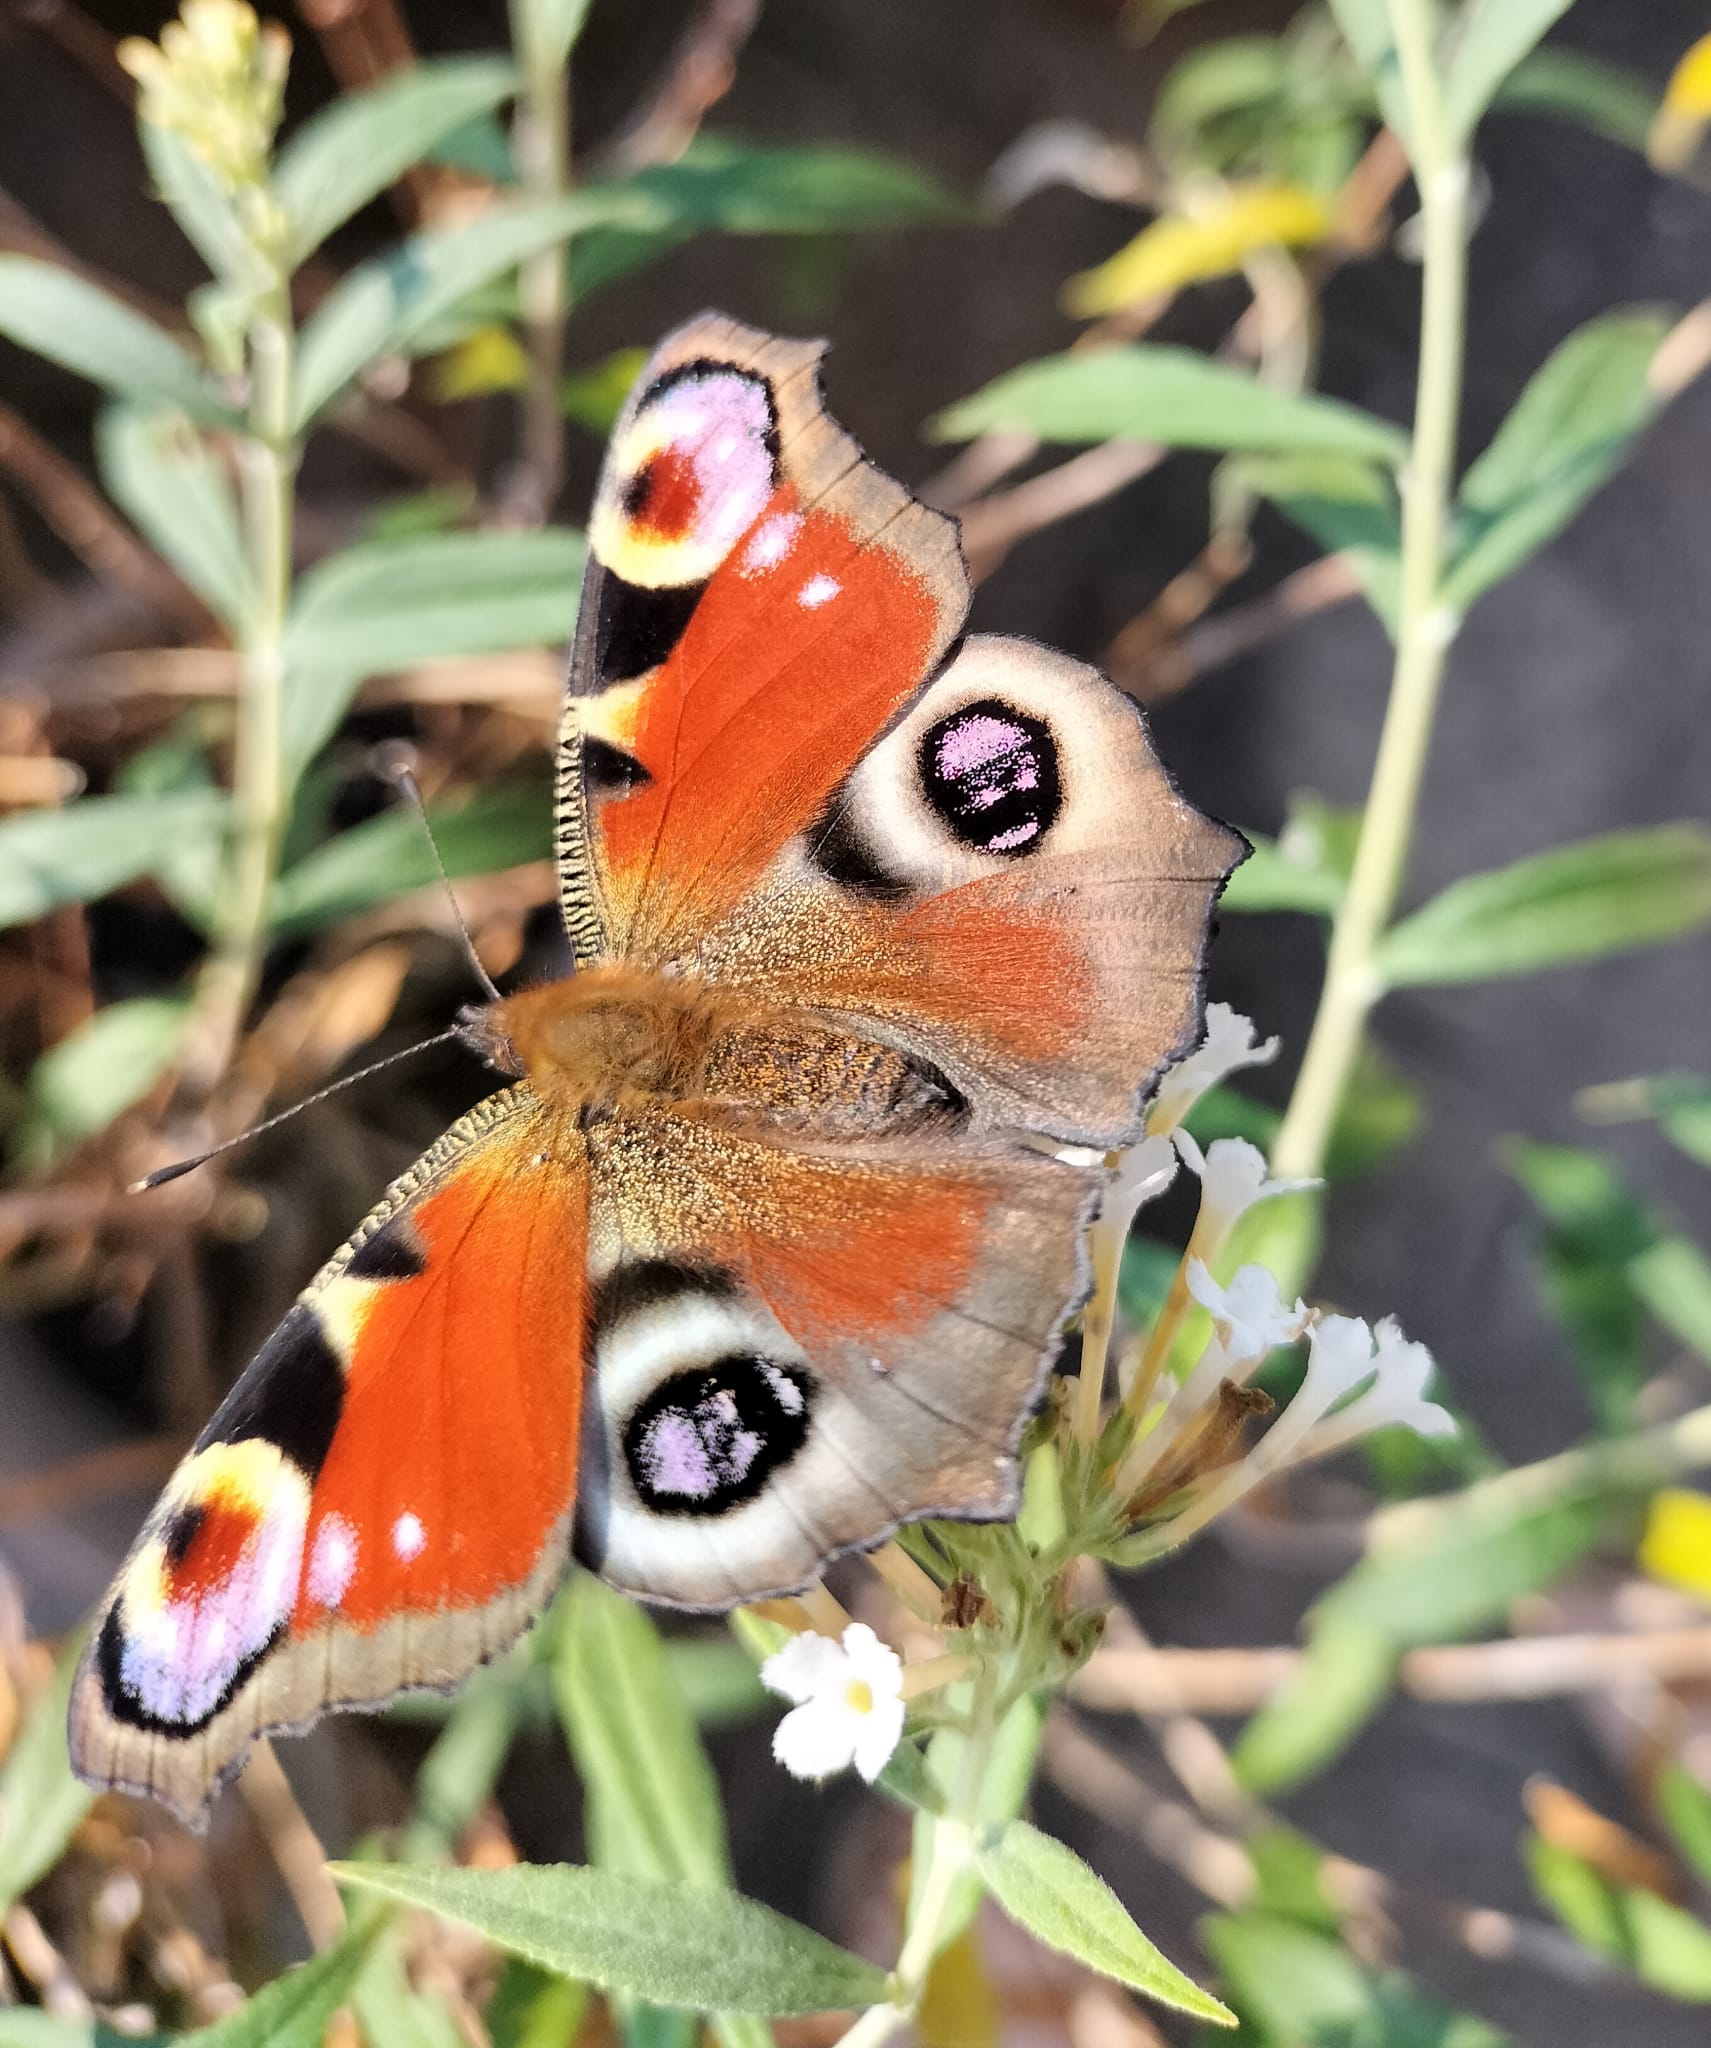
x: 859, y: 1694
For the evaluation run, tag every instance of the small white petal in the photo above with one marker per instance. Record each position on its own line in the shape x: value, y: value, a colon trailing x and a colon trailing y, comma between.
x: 1339, y: 1357
x: 807, y: 1667
x: 1228, y: 1046
x: 881, y: 1731
x: 815, y: 1740
x: 1249, y: 1314
x: 872, y: 1663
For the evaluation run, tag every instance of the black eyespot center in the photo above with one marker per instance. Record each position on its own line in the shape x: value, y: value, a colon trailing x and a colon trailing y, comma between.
x: 990, y: 772
x: 708, y: 1438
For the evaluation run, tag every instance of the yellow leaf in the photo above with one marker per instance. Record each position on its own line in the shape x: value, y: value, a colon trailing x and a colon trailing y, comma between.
x: 1677, y: 1544
x: 490, y: 359
x: 1213, y: 240
x: 1686, y: 109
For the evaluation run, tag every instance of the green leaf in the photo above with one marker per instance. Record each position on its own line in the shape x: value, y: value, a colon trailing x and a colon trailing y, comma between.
x: 722, y: 185
x: 388, y: 855
x: 1665, y: 1946
x: 672, y: 1944
x: 1617, y: 104
x: 1607, y: 895
x: 162, y: 474
x: 41, y: 1803
x: 1491, y: 38
x: 594, y: 397
x: 386, y: 604
x: 95, y: 846
x: 392, y: 2013
x: 1290, y: 873
x: 1349, y: 506
x: 531, y: 2008
x: 202, y: 207
x: 1439, y: 1571
x: 1366, y: 29
x: 1233, y: 75
x: 1575, y: 421
x: 384, y: 305
x: 29, y: 2027
x: 653, y: 1802
x: 364, y: 141
x: 86, y: 330
x: 1300, y: 1988
x: 293, y: 2011
x: 1685, y: 1805
x: 1682, y: 1105
x: 1150, y: 392
x: 1591, y: 1208
x: 1344, y: 1679
x: 715, y: 1679
x: 97, y: 1071
x: 1046, y: 1888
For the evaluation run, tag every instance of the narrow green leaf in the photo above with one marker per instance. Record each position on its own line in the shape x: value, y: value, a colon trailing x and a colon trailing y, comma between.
x: 1682, y: 1105
x: 716, y: 1680
x: 388, y: 855
x: 385, y: 604
x: 41, y: 1803
x: 672, y: 1944
x: 1283, y: 875
x: 392, y: 2013
x: 86, y: 330
x: 110, y: 1061
x: 364, y: 141
x: 1046, y: 1888
x: 383, y: 305
x: 653, y: 1802
x: 1491, y: 38
x: 1571, y: 87
x: 1665, y: 1946
x: 95, y: 846
x: 1612, y: 894
x: 723, y: 185
x: 202, y: 207
x: 1150, y: 392
x: 531, y: 2008
x: 1235, y: 74
x: 1343, y: 1680
x: 293, y: 2011
x: 1296, y: 1985
x: 1685, y: 1805
x: 1366, y: 29
x: 1349, y: 506
x: 1591, y: 1208
x: 30, y: 2027
x: 1572, y: 425
x: 162, y: 474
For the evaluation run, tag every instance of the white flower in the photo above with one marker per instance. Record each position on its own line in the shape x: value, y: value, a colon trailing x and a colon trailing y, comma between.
x: 1227, y: 1047
x: 848, y: 1703
x: 1142, y: 1174
x: 1249, y: 1314
x: 1396, y: 1398
x: 1233, y: 1177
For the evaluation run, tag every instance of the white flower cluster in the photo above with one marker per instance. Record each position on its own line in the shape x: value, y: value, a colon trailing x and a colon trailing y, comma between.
x: 848, y: 1703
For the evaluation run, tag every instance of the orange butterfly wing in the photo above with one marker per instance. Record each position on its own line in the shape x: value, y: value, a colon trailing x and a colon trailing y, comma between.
x: 384, y: 1499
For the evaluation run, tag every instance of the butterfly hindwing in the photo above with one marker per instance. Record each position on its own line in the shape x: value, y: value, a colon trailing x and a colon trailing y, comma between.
x: 797, y: 1346
x: 384, y: 1499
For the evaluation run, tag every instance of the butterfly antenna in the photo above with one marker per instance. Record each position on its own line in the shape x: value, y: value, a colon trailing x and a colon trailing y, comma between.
x: 162, y: 1174
x: 397, y: 769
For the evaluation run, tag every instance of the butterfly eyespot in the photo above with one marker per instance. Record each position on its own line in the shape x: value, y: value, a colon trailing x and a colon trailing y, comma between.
x: 991, y: 774
x: 707, y: 1439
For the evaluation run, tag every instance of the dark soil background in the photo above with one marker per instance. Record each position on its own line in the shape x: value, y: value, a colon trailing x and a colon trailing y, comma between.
x: 1576, y: 702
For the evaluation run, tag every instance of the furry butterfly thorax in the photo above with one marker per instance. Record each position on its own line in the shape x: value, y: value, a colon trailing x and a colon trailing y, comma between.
x: 883, y: 934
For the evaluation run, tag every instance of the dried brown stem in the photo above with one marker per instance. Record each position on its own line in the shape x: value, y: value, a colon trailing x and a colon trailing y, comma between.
x: 993, y: 525
x: 1154, y: 672
x: 293, y: 1845
x: 699, y: 74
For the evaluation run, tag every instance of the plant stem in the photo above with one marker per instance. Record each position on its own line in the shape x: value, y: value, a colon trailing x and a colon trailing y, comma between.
x: 541, y: 138
x: 1425, y: 626
x: 267, y: 466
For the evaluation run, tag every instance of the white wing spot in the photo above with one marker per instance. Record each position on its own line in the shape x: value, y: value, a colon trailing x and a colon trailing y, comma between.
x: 408, y: 1536
x: 818, y: 590
x: 332, y: 1562
x: 772, y: 540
